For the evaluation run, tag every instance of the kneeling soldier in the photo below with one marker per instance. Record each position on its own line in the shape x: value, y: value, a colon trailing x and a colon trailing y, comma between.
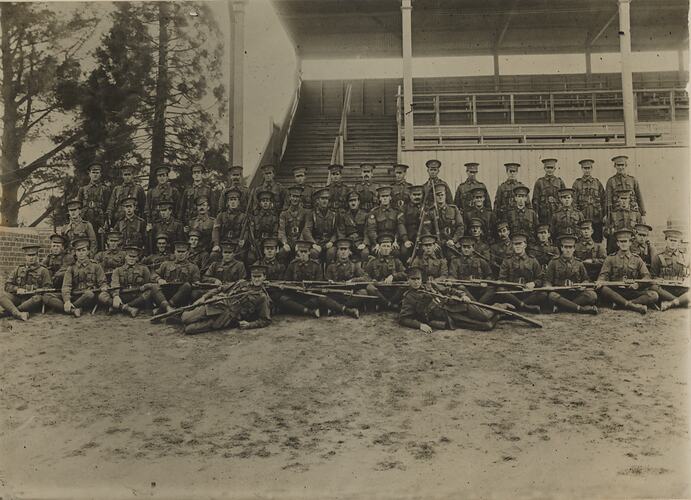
x: 526, y: 270
x: 564, y: 271
x: 229, y: 270
x: 57, y: 260
x: 248, y: 309
x: 433, y: 267
x: 131, y: 284
x: 180, y: 273
x: 18, y: 299
x: 84, y: 280
x: 112, y: 256
x: 626, y: 265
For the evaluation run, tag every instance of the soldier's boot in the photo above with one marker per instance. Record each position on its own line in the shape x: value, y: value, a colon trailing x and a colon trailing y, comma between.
x: 663, y: 294
x: 132, y: 311
x: 647, y: 298
x: 612, y: 297
x: 31, y: 304
x: 140, y: 301
x: 85, y: 300
x: 589, y: 310
x: 586, y: 298
x: 562, y: 302
x: 374, y: 292
x: 532, y: 308
x: 439, y: 325
x: 53, y: 303
x: 293, y: 306
x: 198, y: 327
x: 7, y: 304
x: 332, y: 305
x: 353, y: 312
x: 182, y: 295
x: 639, y: 308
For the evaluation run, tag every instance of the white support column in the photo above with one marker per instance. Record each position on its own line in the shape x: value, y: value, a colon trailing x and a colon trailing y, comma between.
x: 626, y: 76
x: 238, y: 78
x: 406, y: 8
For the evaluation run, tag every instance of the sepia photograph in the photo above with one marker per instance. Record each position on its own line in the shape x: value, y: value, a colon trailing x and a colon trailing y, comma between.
x: 345, y: 249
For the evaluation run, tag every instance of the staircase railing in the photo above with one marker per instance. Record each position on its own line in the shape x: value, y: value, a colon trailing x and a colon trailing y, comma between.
x: 337, y: 154
x: 398, y: 124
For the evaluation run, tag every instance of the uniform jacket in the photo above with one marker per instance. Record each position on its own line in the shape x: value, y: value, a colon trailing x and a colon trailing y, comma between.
x: 29, y: 278
x: 344, y: 270
x: 432, y: 267
x: 521, y: 269
x: 352, y: 224
x: 110, y: 259
x: 464, y: 198
x: 276, y: 270
x: 622, y: 218
x: 645, y: 250
x: 543, y: 252
x: 623, y: 265
x: 562, y: 271
x: 523, y: 220
x: 162, y: 192
x: 473, y: 267
x: 417, y: 308
x: 565, y: 220
x: 400, y: 196
x: 222, y: 203
x: 368, y: 194
x: 264, y: 224
x: 177, y: 272
x: 338, y: 195
x: 172, y: 228
x: 279, y: 196
x: 188, y: 201
x: 504, y: 199
x: 227, y: 272
x: 115, y: 211
x: 438, y: 184
x: 205, y: 225
x: 546, y: 196
x: 200, y: 258
x: 411, y: 221
x: 486, y: 215
x: 84, y: 275
x: 588, y: 249
x: 501, y: 250
x: 623, y: 181
x: 57, y: 265
x: 127, y: 276
x: 94, y: 198
x: 254, y: 306
x: 299, y: 270
x: 385, y: 220
x: 450, y: 223
x: 79, y: 229
x: 321, y: 227
x: 380, y: 267
x: 291, y: 224
x: 589, y: 198
x: 229, y: 225
x: 670, y: 265
x: 133, y: 231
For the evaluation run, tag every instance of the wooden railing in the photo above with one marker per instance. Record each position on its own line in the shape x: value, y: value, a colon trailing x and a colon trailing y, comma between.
x: 337, y: 154
x: 399, y: 117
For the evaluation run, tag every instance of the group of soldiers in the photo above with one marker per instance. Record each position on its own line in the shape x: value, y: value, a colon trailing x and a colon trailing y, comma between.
x: 234, y: 257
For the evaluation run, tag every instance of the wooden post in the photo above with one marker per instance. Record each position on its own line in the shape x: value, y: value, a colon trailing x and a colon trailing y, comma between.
x: 238, y: 76
x: 626, y: 74
x: 511, y: 106
x: 406, y: 14
x: 551, y: 107
x: 672, y: 109
x: 437, y: 120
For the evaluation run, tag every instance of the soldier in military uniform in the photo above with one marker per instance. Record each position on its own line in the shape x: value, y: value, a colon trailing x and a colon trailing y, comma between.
x: 641, y: 245
x: 671, y: 264
x: 504, y: 201
x: 469, y: 188
x: 231, y: 222
x: 321, y: 228
x: 414, y: 220
x: 589, y: 197
x: 250, y: 310
x: 448, y: 224
x: 131, y: 284
x: 566, y: 218
x: 163, y: 191
x: 566, y: 270
x: 433, y: 267
x: 385, y: 219
x: 468, y: 266
x: 113, y: 256
x: 351, y: 224
x: 200, y: 256
x: 292, y: 223
x: 543, y: 249
x: 622, y: 217
x: 400, y: 188
x: 275, y: 269
x: 263, y: 224
x: 57, y: 260
x: 188, y: 200
x: 277, y: 190
x: 385, y: 268
x: 481, y: 248
x: 167, y: 224
x: 84, y: 281
x: 622, y: 181
x: 524, y: 269
x: 127, y: 189
x: 25, y: 279
x: 180, y: 273
x: 94, y: 198
x: 234, y: 184
x: 366, y: 188
x: 203, y: 223
x: 306, y: 190
x: 545, y: 198
x: 502, y: 248
x: 434, y: 183
x: 522, y: 218
x: 589, y: 252
x: 625, y: 265
x: 229, y: 269
x: 131, y: 226
x: 338, y: 189
x: 161, y: 254
x: 478, y: 209
x: 78, y: 227
x: 343, y: 270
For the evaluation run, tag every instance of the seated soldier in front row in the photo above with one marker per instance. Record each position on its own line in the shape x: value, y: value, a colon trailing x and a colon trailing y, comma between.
x: 112, y: 256
x: 671, y: 264
x: 469, y: 266
x: 385, y: 268
x: 592, y: 254
x: 84, y: 281
x: 344, y: 270
x: 173, y: 280
x: 526, y: 270
x: 57, y: 260
x: 131, y: 284
x: 229, y: 270
x: 248, y: 310
x: 566, y: 270
x: 433, y: 267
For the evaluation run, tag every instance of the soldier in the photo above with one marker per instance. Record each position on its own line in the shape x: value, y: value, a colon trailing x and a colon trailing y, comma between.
x: 521, y: 217
x: 161, y: 254
x: 57, y: 260
x: 337, y: 188
x: 448, y: 224
x: 504, y: 201
x: 228, y: 270
x: 292, y: 223
x: 434, y: 183
x: 566, y: 218
x: 163, y: 191
x: 415, y: 220
x: 467, y: 190
x: 203, y: 223
x: 481, y: 248
x: 131, y: 226
x: 344, y: 270
x: 365, y: 188
x: 77, y: 227
x: 400, y: 188
x: 306, y: 190
x: 433, y: 267
x: 275, y: 269
x: 84, y: 281
x: 94, y: 198
x: 589, y: 197
x: 234, y: 184
x: 620, y: 181
x: 641, y: 245
x: 188, y: 200
x: 526, y: 270
x: 263, y: 224
x: 269, y: 184
x: 385, y: 268
x: 592, y: 254
x: 502, y: 248
x: 545, y: 199
x: 167, y: 224
x: 248, y: 310
x: 351, y: 224
x: 180, y: 273
x: 231, y: 222
x: 542, y: 249
x: 468, y: 266
x: 478, y: 209
x: 131, y: 284
x: 385, y: 219
x: 198, y: 254
x: 113, y: 256
x: 671, y: 264
x: 625, y: 265
x: 622, y: 217
x: 128, y: 189
x: 321, y: 228
x: 17, y: 298
x: 566, y: 270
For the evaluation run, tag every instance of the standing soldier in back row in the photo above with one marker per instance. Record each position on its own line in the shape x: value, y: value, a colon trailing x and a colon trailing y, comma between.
x: 94, y: 198
x: 128, y: 188
x: 77, y: 227
x: 400, y: 195
x: 589, y: 197
x: 622, y: 181
x: 366, y: 188
x: 466, y: 189
x: 163, y: 191
x: 434, y: 183
x: 234, y: 184
x: 504, y: 201
x: 188, y: 200
x: 545, y: 192
x: 338, y: 190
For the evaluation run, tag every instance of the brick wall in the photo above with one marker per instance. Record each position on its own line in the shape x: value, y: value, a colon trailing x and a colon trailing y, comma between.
x: 12, y: 239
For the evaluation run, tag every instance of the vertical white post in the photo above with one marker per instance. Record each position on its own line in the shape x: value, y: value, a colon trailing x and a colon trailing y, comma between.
x: 238, y: 78
x: 406, y: 8
x: 626, y: 76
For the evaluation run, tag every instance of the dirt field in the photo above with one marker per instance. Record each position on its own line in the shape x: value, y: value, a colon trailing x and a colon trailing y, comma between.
x: 113, y: 407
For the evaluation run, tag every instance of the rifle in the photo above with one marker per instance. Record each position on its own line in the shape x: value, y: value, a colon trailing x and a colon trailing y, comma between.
x: 217, y: 298
x: 350, y: 293
x: 507, y: 312
x: 423, y: 209
x: 543, y: 252
x: 480, y: 283
x: 296, y: 289
x: 489, y: 261
x: 575, y: 286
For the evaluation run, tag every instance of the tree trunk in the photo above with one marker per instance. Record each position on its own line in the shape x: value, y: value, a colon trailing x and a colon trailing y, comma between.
x: 11, y: 143
x: 158, y: 141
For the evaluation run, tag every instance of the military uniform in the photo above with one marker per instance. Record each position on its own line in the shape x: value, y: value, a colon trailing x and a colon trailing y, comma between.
x: 592, y: 255
x: 504, y: 200
x: 226, y: 272
x: 671, y: 264
x: 500, y: 250
x: 291, y: 225
x: 133, y: 231
x: 121, y: 192
x: 400, y: 189
x: 646, y: 250
x: 523, y: 220
x: 352, y: 224
x: 467, y: 267
x: 94, y: 198
x: 381, y: 267
x: 563, y: 271
x: 159, y: 193
x: 464, y: 192
x: 185, y: 273
x: 132, y: 284
x: 188, y: 206
x: 87, y: 277
x: 201, y: 258
x: 545, y: 198
x: 171, y: 227
x: 620, y: 182
x: 244, y: 194
x: 57, y: 263
x: 543, y: 252
x: 110, y: 259
x: 590, y: 199
x: 229, y: 225
x: 385, y: 220
x: 565, y: 220
x: 28, y: 277
x: 79, y: 228
x: 321, y: 228
x: 366, y: 189
x: 523, y: 269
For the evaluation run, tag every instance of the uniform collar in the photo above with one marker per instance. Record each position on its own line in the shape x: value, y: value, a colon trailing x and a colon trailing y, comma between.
x: 82, y: 263
x: 626, y: 254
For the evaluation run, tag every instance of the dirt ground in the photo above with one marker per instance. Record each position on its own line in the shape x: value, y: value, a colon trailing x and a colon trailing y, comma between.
x: 116, y: 408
